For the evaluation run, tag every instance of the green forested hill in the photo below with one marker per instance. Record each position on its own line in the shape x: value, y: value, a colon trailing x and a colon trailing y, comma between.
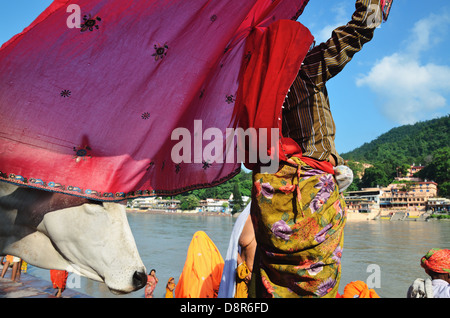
x: 409, y: 143
x: 426, y: 143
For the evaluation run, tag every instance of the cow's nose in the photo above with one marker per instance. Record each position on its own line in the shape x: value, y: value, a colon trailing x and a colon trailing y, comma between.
x: 139, y: 279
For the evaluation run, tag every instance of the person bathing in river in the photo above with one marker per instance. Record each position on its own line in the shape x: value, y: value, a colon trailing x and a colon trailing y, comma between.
x: 170, y: 287
x: 152, y: 281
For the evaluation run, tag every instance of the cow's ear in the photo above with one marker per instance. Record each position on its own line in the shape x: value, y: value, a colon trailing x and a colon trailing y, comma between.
x: 114, y: 206
x: 92, y: 208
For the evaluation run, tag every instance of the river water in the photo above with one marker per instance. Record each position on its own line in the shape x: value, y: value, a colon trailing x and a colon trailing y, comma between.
x: 383, y: 254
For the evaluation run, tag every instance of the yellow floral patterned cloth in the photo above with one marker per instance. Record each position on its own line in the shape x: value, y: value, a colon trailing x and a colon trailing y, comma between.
x: 299, y: 218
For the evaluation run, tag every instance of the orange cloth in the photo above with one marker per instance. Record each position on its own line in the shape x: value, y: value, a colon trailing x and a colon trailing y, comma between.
x: 170, y: 288
x: 242, y: 271
x: 202, y: 270
x: 358, y: 289
x: 58, y: 278
x: 436, y: 260
x: 12, y: 259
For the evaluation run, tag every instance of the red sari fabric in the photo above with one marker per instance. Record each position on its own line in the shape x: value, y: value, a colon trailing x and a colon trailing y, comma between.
x: 59, y: 278
x: 274, y: 58
x: 90, y: 111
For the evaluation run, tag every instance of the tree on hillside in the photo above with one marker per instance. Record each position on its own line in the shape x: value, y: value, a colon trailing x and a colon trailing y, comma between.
x: 438, y: 170
x: 189, y: 202
x: 444, y: 189
x: 237, y: 201
x: 402, y: 170
x: 374, y: 176
x: 224, y: 190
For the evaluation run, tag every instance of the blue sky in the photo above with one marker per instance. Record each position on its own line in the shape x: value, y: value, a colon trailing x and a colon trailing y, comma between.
x: 401, y: 77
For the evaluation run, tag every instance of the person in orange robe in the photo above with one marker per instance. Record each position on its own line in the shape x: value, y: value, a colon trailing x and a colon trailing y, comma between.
x: 202, y: 270
x: 170, y: 287
x: 358, y: 289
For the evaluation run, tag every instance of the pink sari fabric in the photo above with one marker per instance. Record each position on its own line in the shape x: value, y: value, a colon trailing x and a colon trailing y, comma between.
x: 90, y: 111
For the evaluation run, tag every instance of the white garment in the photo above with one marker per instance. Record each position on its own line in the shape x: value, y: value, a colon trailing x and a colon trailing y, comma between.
x: 344, y: 177
x: 227, y: 287
x: 441, y: 289
x: 421, y: 288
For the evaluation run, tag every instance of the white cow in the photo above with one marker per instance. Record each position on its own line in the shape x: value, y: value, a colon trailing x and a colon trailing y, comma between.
x: 57, y: 231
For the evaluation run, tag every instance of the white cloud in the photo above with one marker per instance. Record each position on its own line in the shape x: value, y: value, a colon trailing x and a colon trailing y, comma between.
x: 409, y: 89
x: 427, y: 33
x: 341, y: 17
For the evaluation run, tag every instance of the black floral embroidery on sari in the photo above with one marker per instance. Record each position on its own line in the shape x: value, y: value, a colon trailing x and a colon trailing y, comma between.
x: 230, y: 99
x: 82, y: 153
x: 65, y: 93
x: 206, y: 165
x: 90, y: 23
x: 160, y: 51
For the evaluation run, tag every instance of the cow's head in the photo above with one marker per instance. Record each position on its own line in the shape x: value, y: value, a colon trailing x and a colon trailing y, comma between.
x: 91, y: 239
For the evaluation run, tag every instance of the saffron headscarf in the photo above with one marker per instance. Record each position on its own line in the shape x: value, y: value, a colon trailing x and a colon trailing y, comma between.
x: 358, y: 289
x: 202, y: 270
x: 436, y: 260
x: 97, y: 109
